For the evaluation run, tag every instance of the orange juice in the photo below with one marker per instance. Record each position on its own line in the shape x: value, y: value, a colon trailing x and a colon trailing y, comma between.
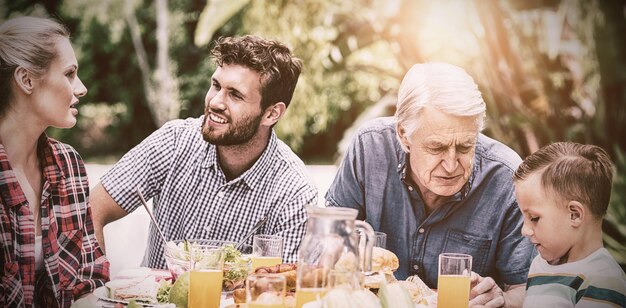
x: 453, y: 291
x: 265, y: 261
x: 205, y: 288
x: 305, y: 295
x: 254, y: 305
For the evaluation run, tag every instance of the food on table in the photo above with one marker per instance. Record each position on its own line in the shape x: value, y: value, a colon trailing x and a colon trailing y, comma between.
x: 268, y: 298
x: 287, y: 270
x: 365, y: 298
x: 163, y: 292
x: 344, y: 298
x: 141, y: 289
x: 427, y: 294
x: 133, y: 304
x: 314, y: 278
x: 236, y: 268
x: 239, y: 295
x: 384, y: 260
x: 384, y: 263
x: 236, y: 265
x: 348, y: 262
x: 375, y: 281
x: 394, y: 295
x: 179, y: 291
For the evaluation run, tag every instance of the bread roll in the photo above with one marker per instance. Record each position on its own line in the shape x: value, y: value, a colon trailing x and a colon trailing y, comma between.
x: 384, y: 260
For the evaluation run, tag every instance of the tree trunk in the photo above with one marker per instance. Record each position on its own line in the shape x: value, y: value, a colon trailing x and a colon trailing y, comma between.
x: 161, y: 90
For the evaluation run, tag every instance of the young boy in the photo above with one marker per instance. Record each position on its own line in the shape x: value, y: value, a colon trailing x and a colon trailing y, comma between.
x: 563, y: 191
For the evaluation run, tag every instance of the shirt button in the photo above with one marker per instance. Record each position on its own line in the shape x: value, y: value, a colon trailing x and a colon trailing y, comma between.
x: 421, y: 230
x: 220, y: 194
x: 416, y: 267
x: 411, y: 188
x: 399, y: 166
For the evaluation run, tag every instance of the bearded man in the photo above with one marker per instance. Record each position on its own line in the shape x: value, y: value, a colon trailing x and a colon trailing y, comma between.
x: 215, y: 176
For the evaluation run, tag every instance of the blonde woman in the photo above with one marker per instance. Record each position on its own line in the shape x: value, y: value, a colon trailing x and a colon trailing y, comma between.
x: 48, y: 253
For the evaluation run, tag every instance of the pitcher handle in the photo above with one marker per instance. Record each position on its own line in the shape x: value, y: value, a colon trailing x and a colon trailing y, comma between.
x: 370, y: 238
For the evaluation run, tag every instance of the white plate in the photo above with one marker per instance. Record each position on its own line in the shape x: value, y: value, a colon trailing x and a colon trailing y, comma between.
x: 103, y: 294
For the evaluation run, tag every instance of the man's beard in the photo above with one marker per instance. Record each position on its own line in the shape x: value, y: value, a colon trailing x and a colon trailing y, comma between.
x: 241, y: 132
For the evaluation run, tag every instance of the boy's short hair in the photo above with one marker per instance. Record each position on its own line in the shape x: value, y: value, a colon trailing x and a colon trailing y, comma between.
x: 576, y: 172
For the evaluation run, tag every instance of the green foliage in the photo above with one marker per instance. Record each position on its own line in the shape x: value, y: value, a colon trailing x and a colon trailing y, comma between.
x: 337, y: 83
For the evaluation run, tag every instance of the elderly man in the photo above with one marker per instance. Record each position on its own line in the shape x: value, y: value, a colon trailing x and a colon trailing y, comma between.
x: 215, y: 176
x: 429, y: 179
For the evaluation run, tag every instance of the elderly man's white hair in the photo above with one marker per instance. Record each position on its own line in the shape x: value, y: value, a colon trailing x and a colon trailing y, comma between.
x: 443, y: 86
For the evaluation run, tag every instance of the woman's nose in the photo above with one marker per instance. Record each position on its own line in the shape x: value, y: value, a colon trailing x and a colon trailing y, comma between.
x: 80, y: 90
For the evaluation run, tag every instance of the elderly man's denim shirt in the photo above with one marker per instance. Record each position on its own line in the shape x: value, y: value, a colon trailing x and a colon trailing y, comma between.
x: 482, y: 220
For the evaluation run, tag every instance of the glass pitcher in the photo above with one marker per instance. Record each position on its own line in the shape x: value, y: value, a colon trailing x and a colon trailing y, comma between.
x: 331, y: 244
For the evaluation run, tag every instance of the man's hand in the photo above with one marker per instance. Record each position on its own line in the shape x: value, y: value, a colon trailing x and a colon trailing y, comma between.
x: 485, y: 292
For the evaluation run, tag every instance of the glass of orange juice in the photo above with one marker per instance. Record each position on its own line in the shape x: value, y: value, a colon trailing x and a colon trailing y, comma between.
x: 453, y: 287
x: 266, y: 291
x: 267, y: 250
x: 205, y: 279
x: 312, y: 285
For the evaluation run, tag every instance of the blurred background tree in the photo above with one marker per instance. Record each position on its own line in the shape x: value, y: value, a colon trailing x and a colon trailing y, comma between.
x: 550, y: 70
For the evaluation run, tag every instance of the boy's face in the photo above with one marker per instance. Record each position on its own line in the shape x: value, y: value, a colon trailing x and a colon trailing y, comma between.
x: 547, y: 222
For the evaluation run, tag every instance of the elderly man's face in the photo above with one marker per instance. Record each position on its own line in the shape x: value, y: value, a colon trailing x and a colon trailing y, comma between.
x: 441, y: 152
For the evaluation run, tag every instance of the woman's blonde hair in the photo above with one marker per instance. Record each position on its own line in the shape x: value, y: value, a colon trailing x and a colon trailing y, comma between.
x: 440, y: 85
x: 27, y: 42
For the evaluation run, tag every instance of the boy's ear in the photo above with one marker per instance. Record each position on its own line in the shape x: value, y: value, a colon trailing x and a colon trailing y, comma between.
x: 577, y: 213
x: 403, y: 138
x: 24, y: 80
x: 273, y: 113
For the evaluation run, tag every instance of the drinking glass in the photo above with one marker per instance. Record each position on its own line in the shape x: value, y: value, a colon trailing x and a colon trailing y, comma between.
x: 266, y: 291
x: 453, y: 287
x: 267, y: 250
x: 205, y: 279
x: 381, y: 239
x: 349, y: 280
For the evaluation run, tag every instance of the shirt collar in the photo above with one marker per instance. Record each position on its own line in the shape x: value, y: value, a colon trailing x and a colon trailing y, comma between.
x: 253, y: 176
x: 52, y: 171
x: 50, y: 156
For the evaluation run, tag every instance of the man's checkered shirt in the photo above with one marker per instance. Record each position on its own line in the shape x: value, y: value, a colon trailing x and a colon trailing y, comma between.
x: 193, y: 199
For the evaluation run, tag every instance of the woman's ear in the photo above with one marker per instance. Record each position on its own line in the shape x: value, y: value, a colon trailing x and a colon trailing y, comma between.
x: 403, y: 138
x: 577, y: 213
x: 24, y: 80
x: 273, y: 113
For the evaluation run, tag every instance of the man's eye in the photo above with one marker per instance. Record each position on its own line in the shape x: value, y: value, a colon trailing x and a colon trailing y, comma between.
x: 70, y: 73
x: 436, y: 150
x: 534, y: 219
x: 464, y: 149
x: 237, y: 96
x: 215, y: 85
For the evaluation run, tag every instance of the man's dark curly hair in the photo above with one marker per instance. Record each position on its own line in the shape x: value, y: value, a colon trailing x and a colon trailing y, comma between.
x: 279, y: 69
